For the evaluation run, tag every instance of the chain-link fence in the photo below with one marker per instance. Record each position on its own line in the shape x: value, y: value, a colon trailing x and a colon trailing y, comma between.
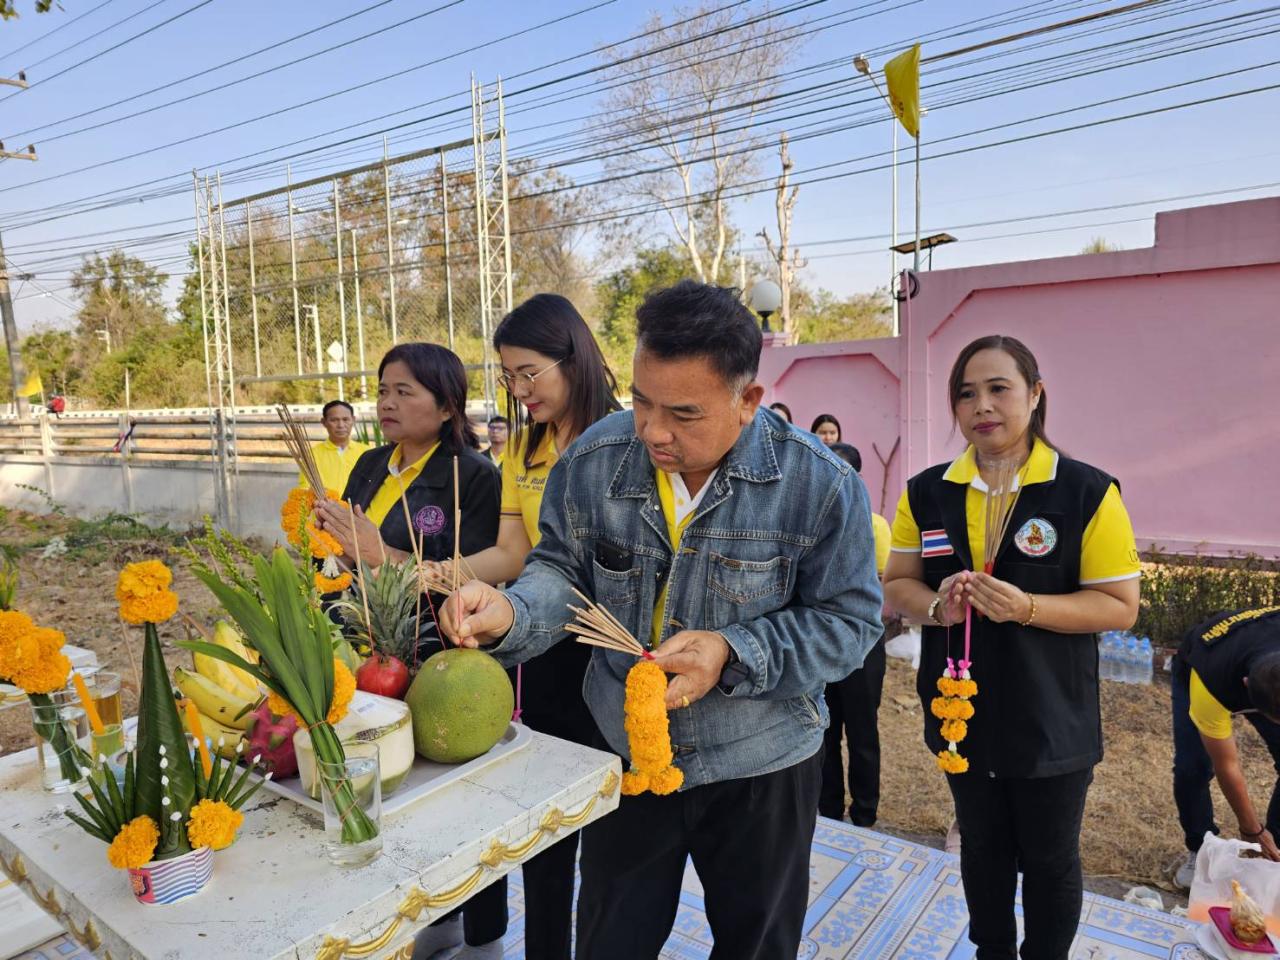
x: 318, y: 279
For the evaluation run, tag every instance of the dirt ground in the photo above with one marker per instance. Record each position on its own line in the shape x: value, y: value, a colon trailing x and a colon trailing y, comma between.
x: 1131, y: 834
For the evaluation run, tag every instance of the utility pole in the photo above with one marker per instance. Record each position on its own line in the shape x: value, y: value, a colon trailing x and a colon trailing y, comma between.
x: 17, y: 369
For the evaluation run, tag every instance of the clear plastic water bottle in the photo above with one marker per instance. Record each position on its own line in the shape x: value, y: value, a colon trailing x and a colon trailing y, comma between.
x: 1132, y: 660
x: 1106, y: 655
x: 1147, y: 662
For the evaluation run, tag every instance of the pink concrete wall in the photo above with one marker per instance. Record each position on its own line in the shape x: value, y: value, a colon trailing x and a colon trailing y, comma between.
x: 1160, y: 366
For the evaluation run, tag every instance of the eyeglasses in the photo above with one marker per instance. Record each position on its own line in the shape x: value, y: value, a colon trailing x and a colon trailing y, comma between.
x: 527, y: 380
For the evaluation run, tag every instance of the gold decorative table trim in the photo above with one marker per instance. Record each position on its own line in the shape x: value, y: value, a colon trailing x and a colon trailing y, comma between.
x: 16, y: 871
x: 417, y: 900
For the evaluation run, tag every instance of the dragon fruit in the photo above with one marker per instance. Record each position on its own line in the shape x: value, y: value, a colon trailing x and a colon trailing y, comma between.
x: 271, y: 737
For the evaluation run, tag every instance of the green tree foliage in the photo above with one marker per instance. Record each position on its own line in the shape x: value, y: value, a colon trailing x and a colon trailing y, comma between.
x: 1101, y: 245
x: 55, y: 355
x: 823, y: 317
x: 9, y: 9
x: 621, y: 292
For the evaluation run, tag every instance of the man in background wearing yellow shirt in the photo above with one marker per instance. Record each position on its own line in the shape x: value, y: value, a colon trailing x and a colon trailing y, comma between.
x: 336, y: 456
x: 1226, y: 666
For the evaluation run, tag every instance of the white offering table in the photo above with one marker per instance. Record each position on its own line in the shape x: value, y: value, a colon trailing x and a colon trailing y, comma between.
x: 274, y: 895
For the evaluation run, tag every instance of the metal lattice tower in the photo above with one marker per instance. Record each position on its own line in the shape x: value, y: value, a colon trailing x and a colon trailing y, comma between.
x: 493, y: 227
x: 211, y: 249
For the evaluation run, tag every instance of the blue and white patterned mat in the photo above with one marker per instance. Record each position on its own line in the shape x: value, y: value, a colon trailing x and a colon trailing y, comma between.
x: 874, y: 897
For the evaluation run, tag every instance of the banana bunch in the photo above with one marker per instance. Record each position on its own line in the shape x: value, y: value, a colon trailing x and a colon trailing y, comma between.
x: 223, y: 694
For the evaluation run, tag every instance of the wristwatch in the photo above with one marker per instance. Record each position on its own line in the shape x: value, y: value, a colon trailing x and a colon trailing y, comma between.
x: 933, y: 610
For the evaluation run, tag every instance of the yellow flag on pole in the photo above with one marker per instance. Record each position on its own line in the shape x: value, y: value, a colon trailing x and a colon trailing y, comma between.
x: 902, y: 75
x: 32, y: 387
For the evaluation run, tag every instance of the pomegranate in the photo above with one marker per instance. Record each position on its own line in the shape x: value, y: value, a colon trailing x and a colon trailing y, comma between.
x: 383, y: 675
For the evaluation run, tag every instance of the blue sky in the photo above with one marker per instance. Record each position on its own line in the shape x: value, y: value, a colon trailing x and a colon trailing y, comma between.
x: 839, y: 223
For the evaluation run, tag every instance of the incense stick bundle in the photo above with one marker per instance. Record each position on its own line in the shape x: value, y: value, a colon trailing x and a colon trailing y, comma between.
x: 299, y: 446
x: 445, y: 584
x: 597, y: 627
x: 1002, y: 497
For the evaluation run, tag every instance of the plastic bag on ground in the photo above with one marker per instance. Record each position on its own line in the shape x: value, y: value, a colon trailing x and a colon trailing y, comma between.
x: 1218, y: 863
x: 905, y: 646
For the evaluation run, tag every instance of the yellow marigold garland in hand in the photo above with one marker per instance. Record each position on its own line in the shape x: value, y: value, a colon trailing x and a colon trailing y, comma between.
x: 144, y: 594
x: 213, y: 824
x: 953, y: 709
x: 648, y: 733
x: 331, y: 578
x: 31, y: 656
x: 344, y: 688
x: 300, y: 504
x: 135, y: 844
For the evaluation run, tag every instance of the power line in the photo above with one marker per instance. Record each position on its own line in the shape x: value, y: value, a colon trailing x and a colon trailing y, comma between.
x: 93, y: 36
x: 49, y: 33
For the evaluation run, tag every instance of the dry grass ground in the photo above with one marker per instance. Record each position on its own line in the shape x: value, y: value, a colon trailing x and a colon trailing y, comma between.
x: 1131, y: 832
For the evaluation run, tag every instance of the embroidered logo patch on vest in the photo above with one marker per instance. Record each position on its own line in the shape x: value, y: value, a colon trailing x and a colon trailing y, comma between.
x: 935, y: 543
x: 429, y: 520
x: 1036, y: 537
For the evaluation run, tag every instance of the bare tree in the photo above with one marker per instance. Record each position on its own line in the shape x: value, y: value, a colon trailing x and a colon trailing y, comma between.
x: 785, y: 256
x: 682, y: 111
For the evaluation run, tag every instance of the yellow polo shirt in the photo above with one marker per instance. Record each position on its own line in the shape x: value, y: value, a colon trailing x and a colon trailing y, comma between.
x: 880, y: 527
x: 388, y: 494
x: 1207, y: 712
x: 335, y: 465
x: 1108, y: 550
x: 522, y: 487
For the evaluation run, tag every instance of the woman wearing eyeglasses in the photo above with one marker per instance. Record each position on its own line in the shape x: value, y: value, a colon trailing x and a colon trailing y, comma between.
x: 554, y: 370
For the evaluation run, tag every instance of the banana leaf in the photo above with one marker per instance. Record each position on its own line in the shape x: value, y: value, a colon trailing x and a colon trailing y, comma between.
x: 159, y: 726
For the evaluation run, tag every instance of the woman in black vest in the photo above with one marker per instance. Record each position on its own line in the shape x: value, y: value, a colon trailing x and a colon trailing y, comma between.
x: 1067, y: 569
x: 422, y: 400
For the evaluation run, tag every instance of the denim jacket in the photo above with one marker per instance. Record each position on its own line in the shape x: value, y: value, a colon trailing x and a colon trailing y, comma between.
x: 779, y: 558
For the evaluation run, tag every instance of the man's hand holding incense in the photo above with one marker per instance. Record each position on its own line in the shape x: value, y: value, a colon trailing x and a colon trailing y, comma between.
x: 476, y: 615
x: 696, y: 658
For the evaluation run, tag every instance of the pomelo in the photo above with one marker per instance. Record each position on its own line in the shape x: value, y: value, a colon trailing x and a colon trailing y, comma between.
x: 461, y: 701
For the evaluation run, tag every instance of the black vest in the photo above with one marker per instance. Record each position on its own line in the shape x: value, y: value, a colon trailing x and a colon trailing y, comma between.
x: 1037, y: 712
x: 1223, y: 648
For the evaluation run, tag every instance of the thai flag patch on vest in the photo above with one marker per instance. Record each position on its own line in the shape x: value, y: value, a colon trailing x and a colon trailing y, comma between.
x: 935, y: 543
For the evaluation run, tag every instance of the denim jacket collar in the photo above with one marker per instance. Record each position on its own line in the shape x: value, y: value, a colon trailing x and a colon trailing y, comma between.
x: 751, y: 458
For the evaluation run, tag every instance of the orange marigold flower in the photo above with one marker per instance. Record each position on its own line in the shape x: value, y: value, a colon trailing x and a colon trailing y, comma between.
x: 31, y: 656
x: 144, y: 594
x: 951, y: 762
x: 333, y: 584
x: 135, y: 844
x: 344, y: 688
x: 954, y: 731
x: 213, y: 824
x: 648, y: 733
x: 295, y: 521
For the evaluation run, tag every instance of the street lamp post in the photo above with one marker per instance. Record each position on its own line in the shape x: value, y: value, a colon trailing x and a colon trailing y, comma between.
x: 766, y: 298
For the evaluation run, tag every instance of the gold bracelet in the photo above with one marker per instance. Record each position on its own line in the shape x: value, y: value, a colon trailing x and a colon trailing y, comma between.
x: 1032, y: 615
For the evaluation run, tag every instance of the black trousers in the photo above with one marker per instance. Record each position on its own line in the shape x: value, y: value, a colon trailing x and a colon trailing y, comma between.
x: 1193, y: 770
x: 749, y: 840
x: 484, y: 916
x: 854, y: 704
x: 1032, y: 826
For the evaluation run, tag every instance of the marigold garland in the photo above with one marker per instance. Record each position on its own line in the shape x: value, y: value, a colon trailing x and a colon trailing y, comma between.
x: 333, y: 584
x: 213, y: 824
x: 344, y: 688
x: 648, y: 733
x: 135, y: 844
x: 30, y: 655
x: 143, y: 592
x: 953, y: 709
x: 300, y: 504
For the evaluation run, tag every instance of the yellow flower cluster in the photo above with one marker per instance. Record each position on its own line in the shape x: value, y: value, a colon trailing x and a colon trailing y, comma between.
x: 135, y: 844
x: 300, y: 503
x: 954, y: 731
x: 144, y: 594
x: 950, y: 687
x: 213, y: 824
x: 951, y: 708
x: 951, y: 762
x: 31, y: 656
x: 344, y: 688
x: 648, y: 733
x: 333, y: 584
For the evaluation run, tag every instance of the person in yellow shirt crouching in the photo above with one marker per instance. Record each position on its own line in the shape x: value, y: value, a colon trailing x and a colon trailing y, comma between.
x: 337, y: 455
x: 1228, y: 665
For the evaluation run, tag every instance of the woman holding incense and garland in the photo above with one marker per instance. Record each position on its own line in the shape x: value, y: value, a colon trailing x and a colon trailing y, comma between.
x: 554, y: 370
x: 1009, y: 661
x: 422, y: 400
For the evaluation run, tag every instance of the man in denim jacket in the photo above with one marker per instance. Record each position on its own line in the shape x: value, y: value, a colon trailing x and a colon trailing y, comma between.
x: 770, y: 592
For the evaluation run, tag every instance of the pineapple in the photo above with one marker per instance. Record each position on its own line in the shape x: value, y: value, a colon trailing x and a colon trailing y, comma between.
x: 392, y: 599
